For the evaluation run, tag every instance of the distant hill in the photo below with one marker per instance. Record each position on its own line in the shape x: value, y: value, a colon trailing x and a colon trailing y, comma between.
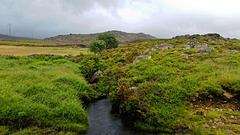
x: 84, y: 39
x: 6, y: 37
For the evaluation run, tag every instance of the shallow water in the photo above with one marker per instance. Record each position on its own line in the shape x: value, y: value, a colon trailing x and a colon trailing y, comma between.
x: 102, y: 122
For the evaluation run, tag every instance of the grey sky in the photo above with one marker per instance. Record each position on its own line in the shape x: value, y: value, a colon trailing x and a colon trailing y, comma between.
x: 160, y: 18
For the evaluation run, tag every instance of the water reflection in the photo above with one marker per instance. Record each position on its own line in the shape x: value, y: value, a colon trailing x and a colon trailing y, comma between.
x: 104, y: 123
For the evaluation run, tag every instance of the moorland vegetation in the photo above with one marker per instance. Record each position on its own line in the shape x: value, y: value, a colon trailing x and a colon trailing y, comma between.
x: 189, y: 84
x: 165, y: 86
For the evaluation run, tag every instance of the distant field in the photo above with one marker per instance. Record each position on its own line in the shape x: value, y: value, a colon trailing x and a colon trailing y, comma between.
x: 24, y: 50
x: 24, y: 42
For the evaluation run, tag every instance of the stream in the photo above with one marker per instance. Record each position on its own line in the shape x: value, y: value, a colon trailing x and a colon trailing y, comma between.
x: 103, y: 122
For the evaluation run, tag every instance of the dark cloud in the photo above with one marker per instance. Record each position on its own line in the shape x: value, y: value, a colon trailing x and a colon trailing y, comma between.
x: 45, y: 18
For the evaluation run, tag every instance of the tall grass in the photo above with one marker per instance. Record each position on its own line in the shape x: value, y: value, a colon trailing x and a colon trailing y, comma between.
x: 42, y: 93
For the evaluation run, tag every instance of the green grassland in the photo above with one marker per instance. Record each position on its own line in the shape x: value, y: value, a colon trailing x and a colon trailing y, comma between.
x: 42, y: 95
x: 168, y: 84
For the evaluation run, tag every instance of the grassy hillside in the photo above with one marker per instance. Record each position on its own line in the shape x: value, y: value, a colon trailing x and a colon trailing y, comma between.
x: 187, y: 85
x: 42, y: 95
x: 84, y: 39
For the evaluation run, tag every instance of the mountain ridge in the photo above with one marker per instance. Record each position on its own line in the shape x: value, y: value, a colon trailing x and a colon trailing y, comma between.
x: 84, y: 39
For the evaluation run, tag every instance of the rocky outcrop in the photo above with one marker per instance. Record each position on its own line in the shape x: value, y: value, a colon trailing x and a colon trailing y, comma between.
x: 186, y: 47
x: 145, y: 51
x: 228, y: 95
x: 205, y: 49
x: 95, y: 75
x: 152, y: 50
x: 198, y: 36
x: 196, y: 44
x: 134, y: 89
x: 139, y: 58
x: 213, y: 35
x: 230, y: 51
x: 164, y: 46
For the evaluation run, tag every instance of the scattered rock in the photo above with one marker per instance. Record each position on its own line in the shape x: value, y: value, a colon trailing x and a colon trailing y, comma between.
x: 216, y: 120
x: 213, y: 35
x: 205, y: 49
x: 115, y: 54
x: 139, y: 58
x: 197, y: 44
x: 228, y: 95
x: 220, y: 40
x: 197, y: 36
x: 95, y: 75
x: 134, y: 89
x: 49, y: 55
x: 186, y: 47
x: 152, y: 50
x: 164, y: 46
x: 211, y: 40
x: 93, y: 85
x: 230, y: 51
x: 67, y: 56
x: 206, y: 125
x: 145, y: 51
x: 184, y: 56
x: 181, y: 36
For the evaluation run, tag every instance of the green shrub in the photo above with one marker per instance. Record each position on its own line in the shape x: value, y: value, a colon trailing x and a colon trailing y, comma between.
x: 97, y: 46
x: 110, y: 39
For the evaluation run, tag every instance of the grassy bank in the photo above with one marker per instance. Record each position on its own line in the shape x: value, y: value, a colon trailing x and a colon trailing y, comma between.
x: 161, y: 94
x: 42, y: 92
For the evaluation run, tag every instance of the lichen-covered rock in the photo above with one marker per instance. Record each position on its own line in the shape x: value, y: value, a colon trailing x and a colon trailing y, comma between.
x: 228, y: 95
x: 145, y: 51
x: 230, y: 51
x: 197, y: 44
x: 139, y: 58
x: 213, y: 35
x: 95, y: 75
x: 164, y: 46
x: 134, y: 89
x: 205, y: 49
x: 152, y: 50
x: 186, y: 47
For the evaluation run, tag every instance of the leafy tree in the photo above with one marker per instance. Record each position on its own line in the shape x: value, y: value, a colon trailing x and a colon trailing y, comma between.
x: 110, y: 39
x: 97, y: 45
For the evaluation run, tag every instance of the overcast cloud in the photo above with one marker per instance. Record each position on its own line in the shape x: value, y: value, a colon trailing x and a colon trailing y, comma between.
x: 160, y: 18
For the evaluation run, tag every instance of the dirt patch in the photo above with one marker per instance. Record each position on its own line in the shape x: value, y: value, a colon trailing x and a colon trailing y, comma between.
x: 221, y: 115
